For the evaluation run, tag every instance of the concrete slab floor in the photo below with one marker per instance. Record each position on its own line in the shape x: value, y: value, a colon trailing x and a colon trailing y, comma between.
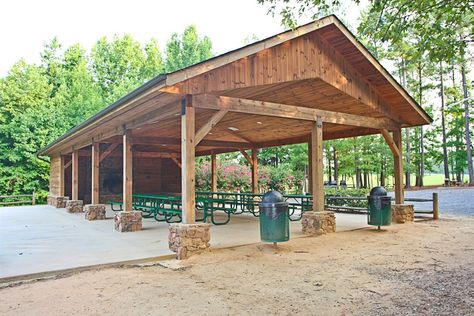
x: 42, y: 238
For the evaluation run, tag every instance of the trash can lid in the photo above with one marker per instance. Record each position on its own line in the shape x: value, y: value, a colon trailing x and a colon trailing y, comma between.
x: 273, y: 197
x: 378, y: 191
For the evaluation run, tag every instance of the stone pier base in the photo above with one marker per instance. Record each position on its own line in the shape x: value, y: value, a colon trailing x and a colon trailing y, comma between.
x: 74, y: 206
x: 94, y: 211
x: 318, y: 223
x: 188, y: 239
x: 128, y: 221
x: 402, y: 213
x: 57, y: 201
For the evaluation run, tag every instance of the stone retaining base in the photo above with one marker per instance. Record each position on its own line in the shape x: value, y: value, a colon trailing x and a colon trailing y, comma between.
x: 94, y: 211
x: 128, y: 221
x: 188, y: 239
x: 318, y: 223
x: 402, y: 213
x: 74, y: 206
x: 57, y: 201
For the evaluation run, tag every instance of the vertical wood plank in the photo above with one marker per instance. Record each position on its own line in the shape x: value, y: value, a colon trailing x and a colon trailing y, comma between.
x: 254, y: 171
x: 317, y: 165
x: 75, y: 175
x: 187, y: 160
x: 213, y: 172
x: 61, y: 175
x: 95, y: 154
x: 127, y: 172
x: 398, y: 168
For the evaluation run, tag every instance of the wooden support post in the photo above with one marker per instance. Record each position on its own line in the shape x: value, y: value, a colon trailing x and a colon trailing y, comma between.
x: 61, y: 176
x: 254, y: 171
x: 213, y: 172
x: 435, y: 206
x: 127, y: 172
x: 317, y: 184
x: 398, y: 167
x: 187, y: 160
x: 75, y: 175
x: 95, y: 173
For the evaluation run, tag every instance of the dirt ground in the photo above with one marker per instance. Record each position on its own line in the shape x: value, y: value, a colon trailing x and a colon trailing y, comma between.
x: 425, y: 268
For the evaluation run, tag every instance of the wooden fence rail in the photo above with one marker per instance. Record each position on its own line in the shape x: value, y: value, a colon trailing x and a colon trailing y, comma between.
x: 329, y: 199
x: 19, y: 199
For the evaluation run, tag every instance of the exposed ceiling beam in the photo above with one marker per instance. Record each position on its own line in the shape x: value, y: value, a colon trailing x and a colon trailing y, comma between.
x: 208, y: 101
x: 176, y: 141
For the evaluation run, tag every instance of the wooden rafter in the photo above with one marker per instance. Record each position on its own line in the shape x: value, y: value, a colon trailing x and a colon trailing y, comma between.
x: 247, y: 106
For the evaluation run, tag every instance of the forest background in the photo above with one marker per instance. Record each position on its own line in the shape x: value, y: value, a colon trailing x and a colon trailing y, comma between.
x: 427, y: 45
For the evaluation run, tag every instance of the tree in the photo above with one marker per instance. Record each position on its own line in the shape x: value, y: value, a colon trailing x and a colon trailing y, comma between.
x: 186, y: 49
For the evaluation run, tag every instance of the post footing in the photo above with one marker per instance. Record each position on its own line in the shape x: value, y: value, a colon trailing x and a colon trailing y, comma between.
x: 94, y: 211
x: 128, y: 221
x: 74, y: 206
x: 188, y: 239
x: 403, y: 213
x: 318, y: 223
x: 57, y: 201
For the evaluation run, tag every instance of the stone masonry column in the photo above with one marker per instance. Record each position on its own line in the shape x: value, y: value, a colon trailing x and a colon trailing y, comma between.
x: 318, y: 223
x: 94, y: 211
x: 188, y: 239
x: 74, y: 206
x: 128, y: 221
x: 57, y: 201
x: 403, y: 213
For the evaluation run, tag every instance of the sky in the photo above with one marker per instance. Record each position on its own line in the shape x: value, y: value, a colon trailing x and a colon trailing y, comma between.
x: 26, y: 25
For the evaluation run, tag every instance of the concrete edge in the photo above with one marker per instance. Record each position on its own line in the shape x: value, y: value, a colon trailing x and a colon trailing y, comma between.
x: 55, y: 274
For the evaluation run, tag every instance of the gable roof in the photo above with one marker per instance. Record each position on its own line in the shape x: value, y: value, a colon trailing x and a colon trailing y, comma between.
x: 327, y: 25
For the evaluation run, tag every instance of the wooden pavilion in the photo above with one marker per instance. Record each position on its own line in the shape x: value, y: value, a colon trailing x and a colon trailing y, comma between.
x: 307, y: 85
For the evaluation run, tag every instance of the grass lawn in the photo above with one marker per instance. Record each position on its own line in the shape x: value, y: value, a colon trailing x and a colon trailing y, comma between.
x: 429, y: 179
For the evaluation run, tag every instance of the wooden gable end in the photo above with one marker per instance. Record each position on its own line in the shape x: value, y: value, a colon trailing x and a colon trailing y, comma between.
x: 308, y: 58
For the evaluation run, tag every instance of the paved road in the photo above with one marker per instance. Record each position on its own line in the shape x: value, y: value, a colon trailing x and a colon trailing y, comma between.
x: 455, y: 202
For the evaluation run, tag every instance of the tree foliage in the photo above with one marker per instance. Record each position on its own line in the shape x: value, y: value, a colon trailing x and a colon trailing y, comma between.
x: 39, y: 103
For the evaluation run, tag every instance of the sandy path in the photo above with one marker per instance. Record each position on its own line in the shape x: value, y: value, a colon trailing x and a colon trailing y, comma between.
x: 422, y: 268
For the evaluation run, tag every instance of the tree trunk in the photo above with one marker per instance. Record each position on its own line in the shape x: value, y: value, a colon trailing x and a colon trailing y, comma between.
x: 421, y: 173
x: 407, y: 158
x: 382, y: 174
x: 329, y: 165
x: 443, y: 125
x: 336, y: 165
x: 467, y: 134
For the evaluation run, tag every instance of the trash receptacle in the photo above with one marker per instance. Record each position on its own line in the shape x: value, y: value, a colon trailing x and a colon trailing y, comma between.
x: 380, y: 207
x: 274, y: 220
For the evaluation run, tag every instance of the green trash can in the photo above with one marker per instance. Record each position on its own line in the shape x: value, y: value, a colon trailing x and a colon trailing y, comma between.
x: 274, y: 218
x: 380, y: 207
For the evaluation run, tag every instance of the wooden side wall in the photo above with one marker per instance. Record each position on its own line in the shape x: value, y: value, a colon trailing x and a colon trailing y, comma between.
x: 171, y: 177
x: 150, y: 176
x: 147, y: 173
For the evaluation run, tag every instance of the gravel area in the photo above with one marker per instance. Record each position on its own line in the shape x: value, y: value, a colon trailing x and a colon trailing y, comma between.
x: 423, y: 268
x: 452, y: 201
